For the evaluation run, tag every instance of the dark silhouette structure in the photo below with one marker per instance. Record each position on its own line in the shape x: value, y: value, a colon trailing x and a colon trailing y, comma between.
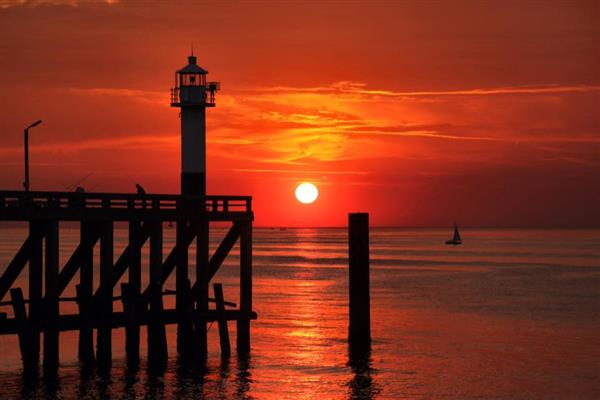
x: 26, y: 149
x: 141, y: 192
x: 97, y: 214
x: 359, y: 332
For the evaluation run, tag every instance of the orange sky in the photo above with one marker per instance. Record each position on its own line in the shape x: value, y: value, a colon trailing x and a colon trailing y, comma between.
x: 421, y: 113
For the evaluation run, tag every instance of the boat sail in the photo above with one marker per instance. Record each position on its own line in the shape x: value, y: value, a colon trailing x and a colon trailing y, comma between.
x: 456, y: 239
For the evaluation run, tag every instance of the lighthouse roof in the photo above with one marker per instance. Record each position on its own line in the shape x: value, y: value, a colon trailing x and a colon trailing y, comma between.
x: 192, y: 67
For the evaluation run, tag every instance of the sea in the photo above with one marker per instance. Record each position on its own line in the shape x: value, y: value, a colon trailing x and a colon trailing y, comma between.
x: 510, y: 314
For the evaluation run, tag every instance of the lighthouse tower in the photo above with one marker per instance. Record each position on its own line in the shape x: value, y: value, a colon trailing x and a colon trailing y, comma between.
x: 193, y: 94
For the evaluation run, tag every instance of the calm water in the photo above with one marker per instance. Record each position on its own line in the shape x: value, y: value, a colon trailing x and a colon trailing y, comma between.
x: 511, y: 314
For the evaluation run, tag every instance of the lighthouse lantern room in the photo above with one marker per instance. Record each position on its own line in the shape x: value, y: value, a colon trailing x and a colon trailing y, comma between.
x: 193, y: 94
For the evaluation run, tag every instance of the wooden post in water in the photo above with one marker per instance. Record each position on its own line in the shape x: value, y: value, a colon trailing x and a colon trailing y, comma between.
x: 23, y: 330
x: 36, y: 274
x: 359, y: 333
x: 157, y: 337
x: 222, y: 321
x: 243, y: 323
x: 105, y: 307
x: 51, y: 307
x: 85, y: 292
x: 182, y: 287
x: 131, y: 299
x: 202, y: 260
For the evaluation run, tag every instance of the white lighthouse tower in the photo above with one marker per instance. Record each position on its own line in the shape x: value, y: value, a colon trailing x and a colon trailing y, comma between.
x: 193, y: 94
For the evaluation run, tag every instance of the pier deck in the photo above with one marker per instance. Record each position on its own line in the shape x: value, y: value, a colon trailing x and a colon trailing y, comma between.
x: 145, y: 215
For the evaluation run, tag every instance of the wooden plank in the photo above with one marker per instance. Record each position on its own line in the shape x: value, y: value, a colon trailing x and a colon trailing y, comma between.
x: 51, y: 305
x: 72, y: 322
x: 119, y: 214
x: 222, y: 321
x: 243, y: 326
x: 105, y: 306
x: 23, y: 330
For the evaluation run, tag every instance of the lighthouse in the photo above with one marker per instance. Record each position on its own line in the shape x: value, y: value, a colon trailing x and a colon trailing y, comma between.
x: 193, y: 94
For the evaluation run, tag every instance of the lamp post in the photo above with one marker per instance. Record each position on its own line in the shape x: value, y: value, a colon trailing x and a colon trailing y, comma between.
x: 26, y: 139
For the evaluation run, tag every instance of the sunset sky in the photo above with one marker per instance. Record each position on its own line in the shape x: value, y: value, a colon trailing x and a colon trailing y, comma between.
x: 420, y: 113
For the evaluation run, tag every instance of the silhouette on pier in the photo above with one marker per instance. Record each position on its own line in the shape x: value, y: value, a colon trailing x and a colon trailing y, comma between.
x: 97, y: 213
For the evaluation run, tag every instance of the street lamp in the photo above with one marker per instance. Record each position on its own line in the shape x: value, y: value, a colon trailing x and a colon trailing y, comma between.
x: 26, y: 138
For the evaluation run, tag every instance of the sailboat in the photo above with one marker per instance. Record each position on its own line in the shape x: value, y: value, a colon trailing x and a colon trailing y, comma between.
x: 456, y: 239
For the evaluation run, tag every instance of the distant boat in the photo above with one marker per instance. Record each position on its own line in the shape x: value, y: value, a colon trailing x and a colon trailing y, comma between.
x: 456, y: 239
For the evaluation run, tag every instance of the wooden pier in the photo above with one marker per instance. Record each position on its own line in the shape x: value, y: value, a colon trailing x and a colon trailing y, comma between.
x: 97, y: 214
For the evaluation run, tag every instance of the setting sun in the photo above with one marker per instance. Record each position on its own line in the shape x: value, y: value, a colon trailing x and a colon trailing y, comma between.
x: 306, y: 193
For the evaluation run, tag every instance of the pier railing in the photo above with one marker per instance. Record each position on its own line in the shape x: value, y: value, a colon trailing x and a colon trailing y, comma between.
x: 17, y: 205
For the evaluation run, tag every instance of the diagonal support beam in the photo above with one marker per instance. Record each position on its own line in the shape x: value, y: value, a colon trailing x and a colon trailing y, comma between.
x: 221, y: 253
x: 125, y: 259
x: 74, y: 263
x: 171, y: 260
x: 223, y: 250
x: 18, y: 262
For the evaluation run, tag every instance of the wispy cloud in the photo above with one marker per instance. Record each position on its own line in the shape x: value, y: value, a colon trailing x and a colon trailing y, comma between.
x: 147, y: 96
x: 359, y: 88
x: 35, y: 3
x: 303, y: 171
x: 140, y: 142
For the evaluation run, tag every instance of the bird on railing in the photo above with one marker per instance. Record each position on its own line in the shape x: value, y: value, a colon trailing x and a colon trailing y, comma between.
x: 141, y: 192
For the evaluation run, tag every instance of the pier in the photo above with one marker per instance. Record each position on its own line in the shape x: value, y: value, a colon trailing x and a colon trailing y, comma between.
x: 97, y: 214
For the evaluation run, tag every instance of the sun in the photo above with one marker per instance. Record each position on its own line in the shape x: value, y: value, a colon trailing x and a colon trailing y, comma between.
x: 307, y: 193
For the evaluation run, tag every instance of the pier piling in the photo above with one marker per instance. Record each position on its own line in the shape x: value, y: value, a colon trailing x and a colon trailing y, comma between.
x: 23, y: 329
x: 222, y: 321
x: 85, y: 292
x: 202, y: 282
x: 359, y: 332
x: 243, y: 324
x: 51, y: 306
x: 105, y: 307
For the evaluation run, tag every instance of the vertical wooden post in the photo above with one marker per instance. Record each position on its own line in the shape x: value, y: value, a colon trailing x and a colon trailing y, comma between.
x: 85, y: 292
x: 157, y: 337
x: 105, y: 306
x: 36, y: 231
x: 131, y: 323
x: 222, y: 320
x: 202, y: 259
x: 359, y: 333
x: 51, y: 307
x: 131, y: 298
x: 23, y: 330
x: 243, y: 324
x: 182, y: 289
